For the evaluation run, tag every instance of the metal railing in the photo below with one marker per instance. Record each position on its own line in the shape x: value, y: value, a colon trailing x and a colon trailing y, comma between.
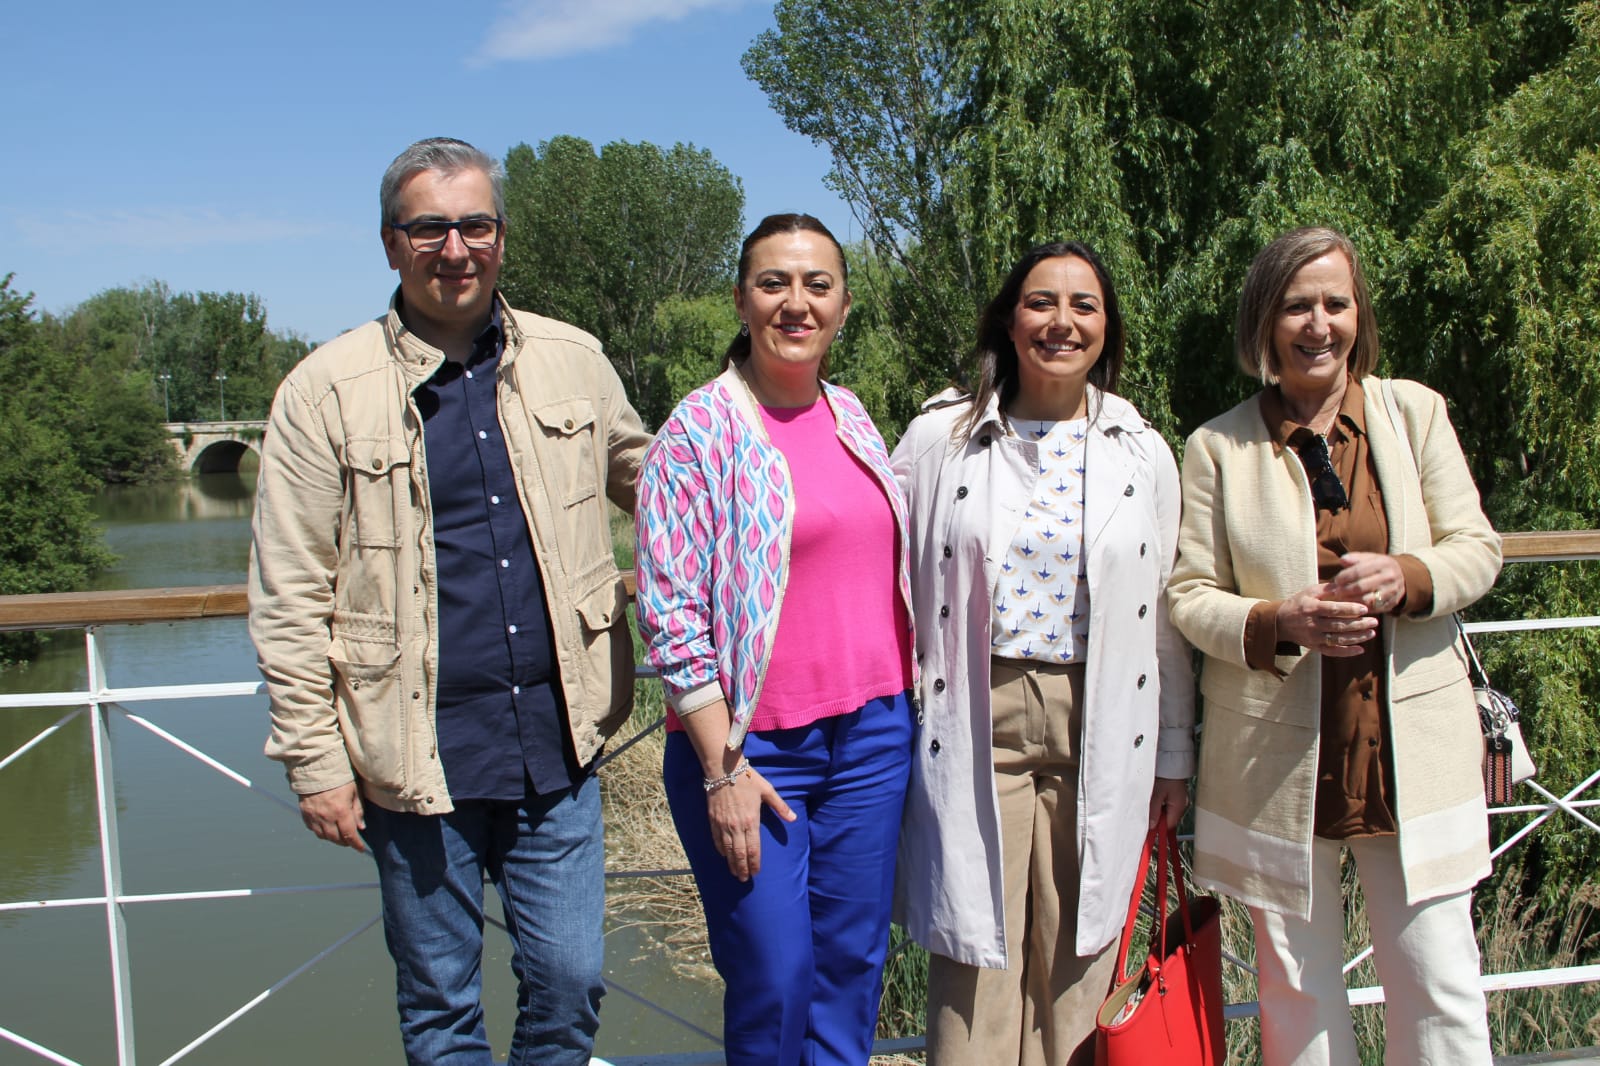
x: 101, y: 702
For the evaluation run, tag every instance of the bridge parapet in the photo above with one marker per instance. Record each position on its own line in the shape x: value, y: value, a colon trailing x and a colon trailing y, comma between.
x: 215, y: 447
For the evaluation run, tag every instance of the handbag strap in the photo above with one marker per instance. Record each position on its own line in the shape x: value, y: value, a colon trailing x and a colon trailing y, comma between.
x: 1480, y: 675
x: 1164, y: 839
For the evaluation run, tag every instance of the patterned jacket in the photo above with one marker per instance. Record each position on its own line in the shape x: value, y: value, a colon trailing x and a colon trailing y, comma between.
x: 715, y: 515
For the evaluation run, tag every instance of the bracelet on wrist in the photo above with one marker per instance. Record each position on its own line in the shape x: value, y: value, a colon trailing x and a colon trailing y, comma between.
x: 714, y: 783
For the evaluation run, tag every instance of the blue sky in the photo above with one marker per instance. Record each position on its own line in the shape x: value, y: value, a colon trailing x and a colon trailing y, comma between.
x: 238, y: 147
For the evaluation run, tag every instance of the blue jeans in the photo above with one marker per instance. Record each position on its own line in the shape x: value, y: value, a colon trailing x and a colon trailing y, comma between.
x: 800, y: 946
x: 546, y: 857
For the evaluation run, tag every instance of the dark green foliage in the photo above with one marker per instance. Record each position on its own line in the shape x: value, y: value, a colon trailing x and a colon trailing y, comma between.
x: 604, y: 240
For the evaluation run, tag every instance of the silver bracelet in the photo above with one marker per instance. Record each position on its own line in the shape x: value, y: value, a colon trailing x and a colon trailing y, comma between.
x: 714, y: 783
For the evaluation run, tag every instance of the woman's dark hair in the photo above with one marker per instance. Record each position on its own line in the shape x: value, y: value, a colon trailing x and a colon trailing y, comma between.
x: 997, y: 356
x: 1273, y: 268
x: 772, y: 225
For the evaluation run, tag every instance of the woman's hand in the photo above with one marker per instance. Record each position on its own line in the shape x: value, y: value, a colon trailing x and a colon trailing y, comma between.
x: 1370, y: 578
x: 1318, y: 620
x: 735, y: 814
x: 1173, y: 795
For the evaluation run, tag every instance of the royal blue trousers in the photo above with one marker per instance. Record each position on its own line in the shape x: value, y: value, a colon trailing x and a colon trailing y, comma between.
x: 800, y: 946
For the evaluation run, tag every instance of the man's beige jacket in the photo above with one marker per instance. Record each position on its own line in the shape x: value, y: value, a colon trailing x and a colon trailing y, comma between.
x: 343, y: 609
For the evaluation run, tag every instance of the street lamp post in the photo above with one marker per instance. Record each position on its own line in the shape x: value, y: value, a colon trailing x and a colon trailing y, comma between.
x: 222, y: 403
x: 166, y: 402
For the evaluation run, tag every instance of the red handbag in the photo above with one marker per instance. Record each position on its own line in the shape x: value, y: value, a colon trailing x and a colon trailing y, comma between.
x: 1170, y: 1012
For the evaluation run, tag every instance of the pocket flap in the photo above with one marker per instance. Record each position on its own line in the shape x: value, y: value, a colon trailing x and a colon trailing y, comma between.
x: 376, y: 456
x: 566, y: 417
x: 603, y: 603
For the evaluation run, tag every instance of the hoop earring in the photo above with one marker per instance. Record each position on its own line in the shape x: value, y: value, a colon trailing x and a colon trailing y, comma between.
x: 744, y: 329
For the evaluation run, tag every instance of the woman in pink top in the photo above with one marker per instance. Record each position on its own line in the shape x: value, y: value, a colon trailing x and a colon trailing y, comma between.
x: 774, y: 596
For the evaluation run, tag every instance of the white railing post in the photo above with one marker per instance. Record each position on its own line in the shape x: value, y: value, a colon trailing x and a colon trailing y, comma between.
x: 110, y: 852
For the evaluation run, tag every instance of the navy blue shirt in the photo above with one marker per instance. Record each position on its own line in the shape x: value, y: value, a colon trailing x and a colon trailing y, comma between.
x: 501, y: 722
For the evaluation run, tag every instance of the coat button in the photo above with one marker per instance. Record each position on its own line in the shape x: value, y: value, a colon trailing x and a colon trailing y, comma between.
x: 944, y: 612
x: 961, y: 493
x: 947, y: 551
x: 1138, y: 740
x: 938, y: 685
x: 983, y: 441
x: 933, y: 748
x: 1128, y: 491
x: 1142, y: 609
x: 568, y: 425
x: 1141, y: 680
x: 377, y: 464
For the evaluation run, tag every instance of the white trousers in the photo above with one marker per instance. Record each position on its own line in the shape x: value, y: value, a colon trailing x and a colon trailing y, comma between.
x: 1426, y: 957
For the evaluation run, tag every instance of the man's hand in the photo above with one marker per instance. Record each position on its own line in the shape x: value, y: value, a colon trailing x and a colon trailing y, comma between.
x: 335, y: 815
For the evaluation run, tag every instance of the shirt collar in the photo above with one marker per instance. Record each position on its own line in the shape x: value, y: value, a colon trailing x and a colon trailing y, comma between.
x: 1350, y: 421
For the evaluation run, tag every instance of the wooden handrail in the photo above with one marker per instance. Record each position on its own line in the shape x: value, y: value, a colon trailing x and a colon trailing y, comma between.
x: 75, y: 610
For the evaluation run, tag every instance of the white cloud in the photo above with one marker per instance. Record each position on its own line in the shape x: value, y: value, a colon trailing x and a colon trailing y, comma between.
x: 544, y: 29
x: 160, y: 228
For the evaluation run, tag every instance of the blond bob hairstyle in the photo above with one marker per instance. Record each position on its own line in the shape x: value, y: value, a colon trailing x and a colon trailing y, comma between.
x: 1273, y: 268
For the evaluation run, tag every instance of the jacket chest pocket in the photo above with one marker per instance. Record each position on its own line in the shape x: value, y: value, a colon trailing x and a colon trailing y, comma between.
x: 568, y: 427
x: 380, y: 486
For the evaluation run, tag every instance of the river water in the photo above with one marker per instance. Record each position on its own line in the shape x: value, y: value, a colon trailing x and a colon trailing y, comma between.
x: 185, y: 827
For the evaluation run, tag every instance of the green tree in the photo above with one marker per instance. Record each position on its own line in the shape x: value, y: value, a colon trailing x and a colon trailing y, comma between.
x: 603, y: 240
x: 48, y: 538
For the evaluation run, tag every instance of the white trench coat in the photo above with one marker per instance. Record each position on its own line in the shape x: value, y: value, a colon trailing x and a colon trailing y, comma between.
x: 966, y: 500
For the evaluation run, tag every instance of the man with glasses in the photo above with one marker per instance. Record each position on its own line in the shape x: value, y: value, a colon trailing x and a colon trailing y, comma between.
x: 439, y: 619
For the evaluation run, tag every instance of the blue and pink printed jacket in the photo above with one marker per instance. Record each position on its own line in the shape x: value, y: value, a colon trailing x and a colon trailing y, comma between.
x: 715, y: 514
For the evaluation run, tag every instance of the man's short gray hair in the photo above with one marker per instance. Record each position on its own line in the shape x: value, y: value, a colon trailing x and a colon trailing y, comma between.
x: 444, y: 154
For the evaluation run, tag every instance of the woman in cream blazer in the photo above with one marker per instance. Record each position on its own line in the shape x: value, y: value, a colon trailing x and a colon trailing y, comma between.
x: 1248, y: 555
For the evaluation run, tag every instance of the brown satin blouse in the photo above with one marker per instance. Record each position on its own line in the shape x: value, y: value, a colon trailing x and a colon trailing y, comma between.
x: 1355, y: 769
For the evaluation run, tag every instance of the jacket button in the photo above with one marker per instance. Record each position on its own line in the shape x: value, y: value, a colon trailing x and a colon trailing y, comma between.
x: 355, y: 682
x: 429, y: 800
x: 1141, y: 551
x: 961, y: 493
x: 1142, y: 609
x: 568, y: 425
x: 947, y: 551
x: 1138, y: 740
x: 377, y: 464
x: 606, y: 618
x: 416, y: 695
x: 920, y: 716
x: 944, y: 612
x: 1141, y: 680
x: 938, y: 685
x: 933, y: 748
x: 983, y: 441
x: 1128, y: 491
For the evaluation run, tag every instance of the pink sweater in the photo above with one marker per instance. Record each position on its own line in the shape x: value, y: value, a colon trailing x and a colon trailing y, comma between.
x: 844, y: 638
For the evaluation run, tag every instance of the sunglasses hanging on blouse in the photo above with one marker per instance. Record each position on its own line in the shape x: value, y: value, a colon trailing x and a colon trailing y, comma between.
x: 1326, y: 488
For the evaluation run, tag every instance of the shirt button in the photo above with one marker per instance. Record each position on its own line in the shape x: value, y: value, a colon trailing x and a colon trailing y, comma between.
x: 469, y: 374
x: 961, y: 493
x: 1138, y: 741
x: 483, y: 435
x: 1141, y: 551
x: 983, y: 441
x: 494, y: 499
x: 1372, y: 742
x: 947, y: 552
x: 1142, y: 609
x: 944, y: 612
x: 1141, y: 680
x: 511, y: 629
x: 516, y: 690
x: 1128, y: 491
x: 504, y: 563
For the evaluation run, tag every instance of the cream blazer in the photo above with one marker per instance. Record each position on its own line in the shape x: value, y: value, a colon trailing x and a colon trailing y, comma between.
x: 1249, y: 535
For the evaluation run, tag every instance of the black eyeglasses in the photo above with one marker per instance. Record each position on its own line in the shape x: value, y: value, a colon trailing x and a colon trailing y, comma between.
x: 1326, y: 488
x: 429, y: 235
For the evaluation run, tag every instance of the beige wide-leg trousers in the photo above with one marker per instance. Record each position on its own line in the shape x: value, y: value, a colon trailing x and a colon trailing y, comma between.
x: 1040, y: 1010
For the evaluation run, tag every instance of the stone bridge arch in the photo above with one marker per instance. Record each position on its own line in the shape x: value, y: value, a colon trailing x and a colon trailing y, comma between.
x: 215, y: 447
